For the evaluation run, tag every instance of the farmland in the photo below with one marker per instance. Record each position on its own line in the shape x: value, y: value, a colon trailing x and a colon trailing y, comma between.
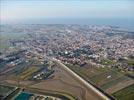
x: 106, y: 79
x: 4, y: 39
x: 26, y: 74
x: 125, y: 94
x: 5, y: 90
x: 15, y: 93
x: 107, y: 62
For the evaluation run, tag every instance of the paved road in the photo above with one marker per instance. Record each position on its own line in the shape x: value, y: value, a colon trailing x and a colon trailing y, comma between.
x: 90, y: 87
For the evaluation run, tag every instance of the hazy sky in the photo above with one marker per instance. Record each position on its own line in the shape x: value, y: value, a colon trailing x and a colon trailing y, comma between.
x: 36, y: 9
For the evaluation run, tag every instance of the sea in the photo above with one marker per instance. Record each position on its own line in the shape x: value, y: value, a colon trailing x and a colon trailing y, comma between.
x: 123, y: 23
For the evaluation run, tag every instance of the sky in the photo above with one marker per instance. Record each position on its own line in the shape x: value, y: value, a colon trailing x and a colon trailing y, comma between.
x: 12, y: 10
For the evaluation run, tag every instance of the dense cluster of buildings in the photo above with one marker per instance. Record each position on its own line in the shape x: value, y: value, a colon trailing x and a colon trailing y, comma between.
x: 78, y: 44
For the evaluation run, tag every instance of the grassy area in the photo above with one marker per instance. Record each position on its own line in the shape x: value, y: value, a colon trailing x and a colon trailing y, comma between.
x: 4, y: 43
x: 130, y: 62
x: 107, y: 62
x: 112, y: 83
x: 5, y: 90
x: 125, y: 94
x: 28, y: 72
x: 12, y: 95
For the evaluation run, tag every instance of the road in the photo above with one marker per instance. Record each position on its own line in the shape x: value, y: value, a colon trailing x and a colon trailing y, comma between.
x: 97, y: 94
x: 90, y: 87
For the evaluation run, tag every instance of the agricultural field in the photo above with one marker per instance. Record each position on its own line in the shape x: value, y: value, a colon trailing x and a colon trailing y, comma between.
x: 129, y: 61
x: 125, y: 94
x: 129, y: 74
x: 28, y: 72
x: 107, y: 62
x: 43, y: 74
x: 106, y: 79
x: 5, y: 90
x: 3, y: 41
x: 5, y: 37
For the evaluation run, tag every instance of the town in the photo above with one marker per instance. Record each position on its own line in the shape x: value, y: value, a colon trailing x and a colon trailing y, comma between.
x: 102, y: 55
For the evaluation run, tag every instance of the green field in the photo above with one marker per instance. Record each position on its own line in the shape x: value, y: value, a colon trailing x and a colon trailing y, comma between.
x: 104, y: 78
x: 28, y: 72
x: 107, y: 62
x: 4, y: 39
x: 125, y: 94
x: 5, y: 90
x: 130, y: 62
